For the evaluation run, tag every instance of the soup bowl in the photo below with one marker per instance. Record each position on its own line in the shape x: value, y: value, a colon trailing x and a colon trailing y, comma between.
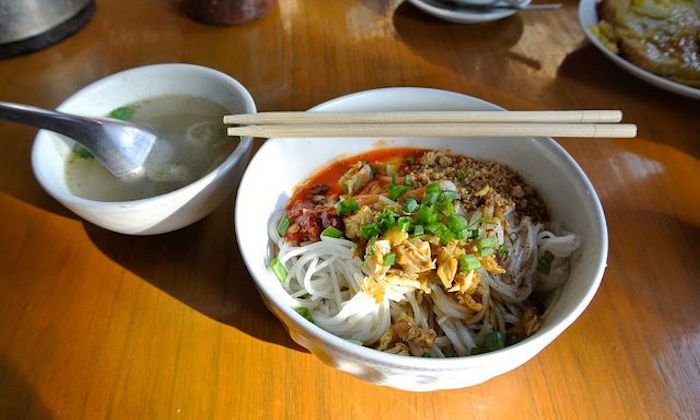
x: 161, y: 213
x: 281, y: 164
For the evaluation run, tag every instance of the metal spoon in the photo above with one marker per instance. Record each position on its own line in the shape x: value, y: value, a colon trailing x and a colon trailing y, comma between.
x: 484, y: 6
x: 121, y: 147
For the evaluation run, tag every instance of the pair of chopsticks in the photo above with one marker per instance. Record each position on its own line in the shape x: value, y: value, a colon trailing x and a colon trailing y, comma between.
x: 586, y: 123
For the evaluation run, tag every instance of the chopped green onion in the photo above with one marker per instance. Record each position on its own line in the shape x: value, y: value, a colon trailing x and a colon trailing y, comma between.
x: 408, y: 181
x: 346, y: 206
x: 446, y: 207
x: 435, y: 228
x: 544, y: 263
x: 404, y: 223
x: 446, y: 236
x: 449, y: 195
x: 278, y: 268
x: 332, y: 232
x: 482, y: 243
x: 474, y: 351
x: 502, y: 251
x: 450, y: 352
x: 461, y: 176
x: 431, y: 197
x: 386, y: 218
x: 82, y: 152
x: 411, y: 205
x: 511, y: 339
x: 390, y: 259
x: 283, y: 225
x: 425, y: 354
x: 369, y: 230
x: 474, y: 233
x: 418, y: 230
x: 456, y: 222
x: 123, y: 113
x: 427, y: 215
x: 468, y: 262
x: 396, y: 191
x: 304, y: 311
x: 433, y: 188
x: 494, y: 340
x: 485, y: 252
x: 462, y: 234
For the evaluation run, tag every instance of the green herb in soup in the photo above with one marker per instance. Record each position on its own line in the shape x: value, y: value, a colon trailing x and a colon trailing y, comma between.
x: 191, y: 142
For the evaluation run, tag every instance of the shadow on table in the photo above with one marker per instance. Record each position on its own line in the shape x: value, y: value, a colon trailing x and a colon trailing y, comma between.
x: 490, y: 41
x: 22, y: 185
x: 18, y: 398
x: 590, y: 68
x: 200, y: 266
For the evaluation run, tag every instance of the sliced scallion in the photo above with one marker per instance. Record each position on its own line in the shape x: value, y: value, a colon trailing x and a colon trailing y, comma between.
x: 396, y: 191
x: 482, y: 243
x: 283, y: 225
x: 346, y: 206
x: 468, y: 262
x: 411, y: 205
x: 431, y: 197
x: 332, y: 232
x: 278, y: 268
x: 433, y: 188
x: 404, y: 223
x: 304, y: 311
x: 494, y: 340
x: 370, y: 229
x: 456, y: 222
x: 389, y: 259
x: 544, y: 263
x: 418, y: 230
x: 485, y: 252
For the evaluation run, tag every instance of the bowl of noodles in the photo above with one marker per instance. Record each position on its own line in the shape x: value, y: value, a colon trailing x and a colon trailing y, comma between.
x: 421, y: 263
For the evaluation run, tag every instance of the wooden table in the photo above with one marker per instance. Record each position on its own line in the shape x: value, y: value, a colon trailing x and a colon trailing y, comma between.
x: 95, y: 324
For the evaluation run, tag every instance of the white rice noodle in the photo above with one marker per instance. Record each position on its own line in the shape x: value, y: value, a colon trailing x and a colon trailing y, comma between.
x: 361, y: 318
x: 561, y: 247
x: 327, y: 278
x: 419, y: 316
x: 452, y: 335
x: 446, y: 304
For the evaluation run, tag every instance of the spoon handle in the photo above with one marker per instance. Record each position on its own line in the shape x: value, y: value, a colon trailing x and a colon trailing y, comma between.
x: 69, y: 125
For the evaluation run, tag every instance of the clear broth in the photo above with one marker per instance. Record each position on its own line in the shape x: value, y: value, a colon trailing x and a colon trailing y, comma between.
x: 191, y: 142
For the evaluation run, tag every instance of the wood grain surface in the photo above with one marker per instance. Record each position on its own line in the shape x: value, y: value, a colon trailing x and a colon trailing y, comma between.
x: 95, y: 324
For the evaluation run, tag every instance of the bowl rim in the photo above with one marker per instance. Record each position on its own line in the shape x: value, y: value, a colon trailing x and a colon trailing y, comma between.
x: 367, y: 354
x: 193, y: 187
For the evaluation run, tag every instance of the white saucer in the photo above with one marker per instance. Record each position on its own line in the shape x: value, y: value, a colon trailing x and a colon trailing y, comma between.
x: 462, y: 15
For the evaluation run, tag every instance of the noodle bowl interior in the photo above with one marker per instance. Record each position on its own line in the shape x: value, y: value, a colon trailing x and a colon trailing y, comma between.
x: 421, y: 253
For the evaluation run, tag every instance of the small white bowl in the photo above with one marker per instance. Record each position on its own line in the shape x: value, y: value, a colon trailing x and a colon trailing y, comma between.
x: 162, y: 213
x: 281, y: 164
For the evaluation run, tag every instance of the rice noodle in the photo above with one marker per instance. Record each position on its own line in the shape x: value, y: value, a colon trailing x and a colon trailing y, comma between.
x: 327, y: 278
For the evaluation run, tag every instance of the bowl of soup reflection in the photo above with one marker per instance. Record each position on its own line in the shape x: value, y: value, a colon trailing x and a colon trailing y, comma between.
x: 192, y: 168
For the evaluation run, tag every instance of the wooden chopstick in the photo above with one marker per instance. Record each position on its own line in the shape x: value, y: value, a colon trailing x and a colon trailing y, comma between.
x: 494, y: 129
x: 584, y: 116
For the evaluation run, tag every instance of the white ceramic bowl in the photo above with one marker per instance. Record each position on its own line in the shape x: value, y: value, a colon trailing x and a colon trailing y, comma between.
x: 588, y: 15
x: 161, y: 213
x: 281, y: 164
